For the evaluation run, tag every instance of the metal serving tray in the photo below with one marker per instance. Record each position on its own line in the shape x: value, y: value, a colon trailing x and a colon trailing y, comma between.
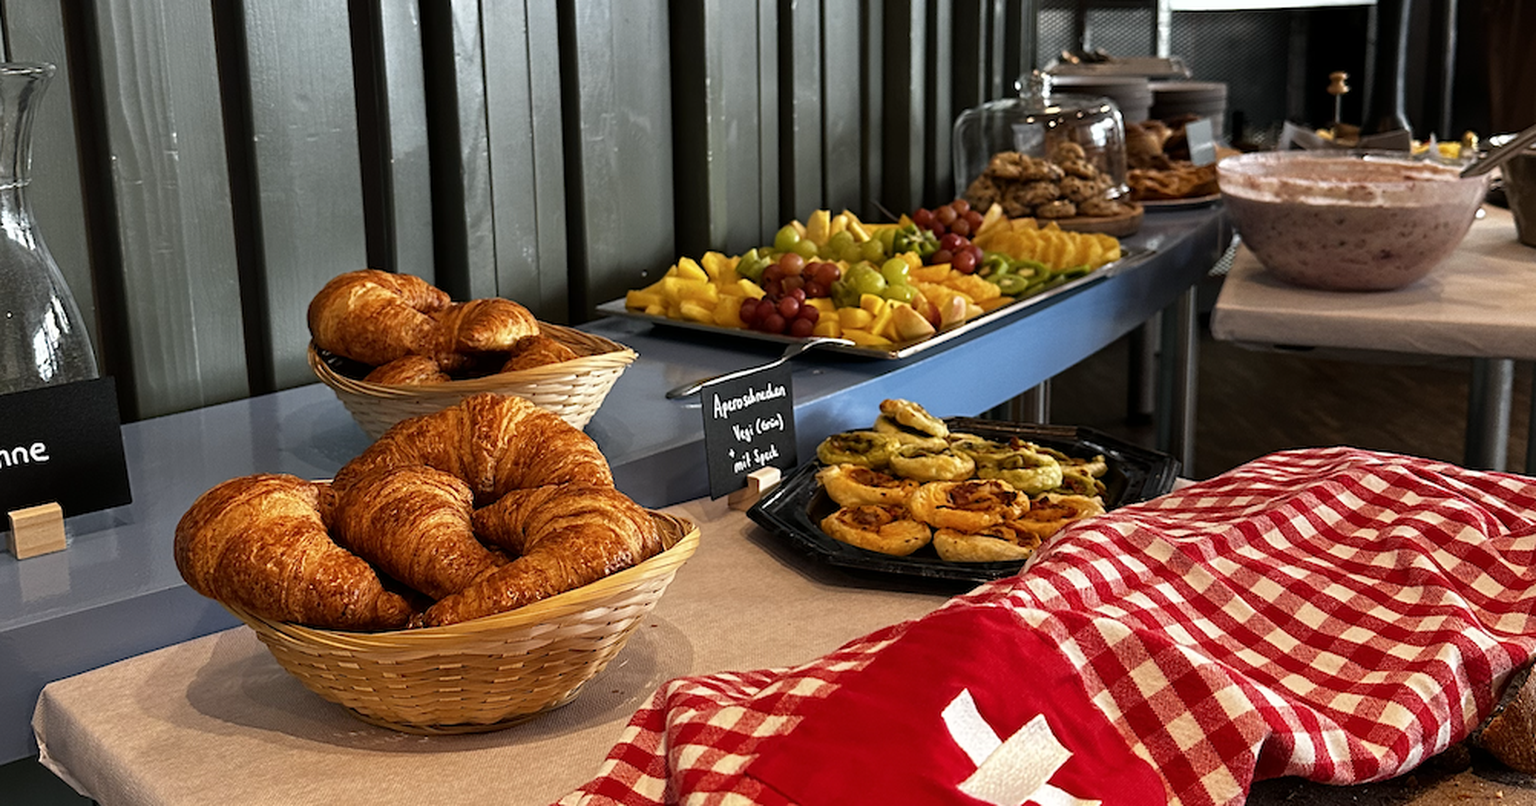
x: 1130, y: 256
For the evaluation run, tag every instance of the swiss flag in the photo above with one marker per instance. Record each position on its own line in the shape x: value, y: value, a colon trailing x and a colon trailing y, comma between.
x: 968, y: 706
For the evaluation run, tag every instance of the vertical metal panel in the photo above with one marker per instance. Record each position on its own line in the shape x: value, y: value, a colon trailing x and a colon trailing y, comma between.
x: 801, y: 107
x: 35, y: 33
x: 940, y: 80
x: 723, y: 155
x: 769, y: 90
x: 905, y: 119
x: 618, y: 142
x: 872, y: 76
x: 464, y: 224
x: 181, y: 316
x: 522, y: 96
x: 523, y: 92
x: 843, y: 178
x: 407, y: 193
x: 305, y: 158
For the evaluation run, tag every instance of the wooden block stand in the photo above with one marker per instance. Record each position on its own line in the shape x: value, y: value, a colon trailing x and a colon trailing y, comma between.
x: 759, y: 482
x: 37, y: 530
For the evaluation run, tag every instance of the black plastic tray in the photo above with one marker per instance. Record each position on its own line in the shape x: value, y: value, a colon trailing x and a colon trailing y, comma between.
x: 793, y: 510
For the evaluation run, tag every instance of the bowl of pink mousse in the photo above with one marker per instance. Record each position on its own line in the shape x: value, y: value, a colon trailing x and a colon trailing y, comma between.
x: 1348, y: 221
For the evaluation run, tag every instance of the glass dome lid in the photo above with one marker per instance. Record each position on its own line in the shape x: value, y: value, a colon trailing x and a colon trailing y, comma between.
x: 1043, y: 154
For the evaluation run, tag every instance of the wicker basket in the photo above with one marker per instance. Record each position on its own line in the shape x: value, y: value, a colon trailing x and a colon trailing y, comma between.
x: 486, y: 674
x: 572, y: 389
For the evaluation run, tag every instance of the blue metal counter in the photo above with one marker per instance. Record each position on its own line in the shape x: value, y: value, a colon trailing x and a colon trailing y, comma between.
x: 115, y: 591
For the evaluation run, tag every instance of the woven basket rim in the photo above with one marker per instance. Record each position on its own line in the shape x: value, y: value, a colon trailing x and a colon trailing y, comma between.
x: 682, y: 532
x: 608, y: 355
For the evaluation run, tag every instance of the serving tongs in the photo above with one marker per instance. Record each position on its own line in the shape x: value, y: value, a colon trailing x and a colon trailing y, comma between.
x: 1502, y: 154
x: 690, y: 389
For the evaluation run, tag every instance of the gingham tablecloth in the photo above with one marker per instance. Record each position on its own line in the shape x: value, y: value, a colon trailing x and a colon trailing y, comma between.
x: 1335, y: 614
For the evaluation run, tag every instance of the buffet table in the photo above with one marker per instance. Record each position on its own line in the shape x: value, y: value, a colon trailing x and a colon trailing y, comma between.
x: 115, y: 593
x: 217, y: 714
x: 1480, y: 304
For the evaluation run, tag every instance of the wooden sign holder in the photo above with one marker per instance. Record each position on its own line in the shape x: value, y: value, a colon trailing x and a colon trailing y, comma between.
x: 759, y: 482
x: 37, y: 530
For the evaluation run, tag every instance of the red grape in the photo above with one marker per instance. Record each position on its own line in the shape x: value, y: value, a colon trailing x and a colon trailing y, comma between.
x: 788, y: 307
x: 791, y: 283
x: 964, y: 262
x: 772, y: 323
x: 961, y: 206
x: 828, y: 274
x: 791, y: 264
x: 801, y: 328
x: 960, y: 227
x: 814, y: 288
x: 775, y: 271
x: 797, y: 294
x: 945, y: 215
x: 773, y: 288
x: 923, y: 217
x: 809, y: 313
x: 953, y: 242
x: 748, y: 309
x: 975, y: 218
x: 941, y: 256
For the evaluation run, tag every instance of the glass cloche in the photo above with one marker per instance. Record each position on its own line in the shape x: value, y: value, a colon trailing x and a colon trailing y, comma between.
x: 1042, y: 154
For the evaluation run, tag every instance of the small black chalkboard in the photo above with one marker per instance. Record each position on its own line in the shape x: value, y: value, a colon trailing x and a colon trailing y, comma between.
x: 749, y: 424
x: 64, y: 444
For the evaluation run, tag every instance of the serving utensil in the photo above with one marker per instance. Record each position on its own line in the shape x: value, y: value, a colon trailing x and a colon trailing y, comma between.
x: 690, y: 389
x: 1500, y: 155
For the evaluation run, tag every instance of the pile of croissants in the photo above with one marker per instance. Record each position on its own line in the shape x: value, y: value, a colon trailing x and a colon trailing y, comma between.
x: 470, y: 511
x: 410, y: 332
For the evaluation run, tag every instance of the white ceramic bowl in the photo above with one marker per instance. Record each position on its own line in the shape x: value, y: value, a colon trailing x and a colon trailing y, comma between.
x: 1348, y: 221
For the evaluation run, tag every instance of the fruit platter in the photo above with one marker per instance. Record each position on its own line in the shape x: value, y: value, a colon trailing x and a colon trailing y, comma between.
x: 887, y: 290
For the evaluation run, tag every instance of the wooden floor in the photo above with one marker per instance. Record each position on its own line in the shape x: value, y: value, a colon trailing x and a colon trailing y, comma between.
x: 1252, y: 403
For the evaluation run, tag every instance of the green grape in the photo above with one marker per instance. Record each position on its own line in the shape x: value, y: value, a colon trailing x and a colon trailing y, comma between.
x: 896, y: 271
x: 751, y: 266
x: 805, y: 248
x: 786, y: 238
x: 899, y: 292
x: 843, y: 294
x: 840, y: 243
x: 865, y: 279
x: 871, y: 250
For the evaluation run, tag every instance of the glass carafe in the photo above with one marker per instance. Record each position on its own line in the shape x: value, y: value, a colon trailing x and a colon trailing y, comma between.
x: 43, y: 341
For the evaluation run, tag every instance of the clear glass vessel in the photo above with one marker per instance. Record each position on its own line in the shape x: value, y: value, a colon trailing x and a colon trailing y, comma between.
x: 1042, y: 154
x: 43, y: 341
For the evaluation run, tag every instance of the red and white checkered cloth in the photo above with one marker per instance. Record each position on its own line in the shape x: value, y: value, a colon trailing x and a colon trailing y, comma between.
x: 1335, y: 614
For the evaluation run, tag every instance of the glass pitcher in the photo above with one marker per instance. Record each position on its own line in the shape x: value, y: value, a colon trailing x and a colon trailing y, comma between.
x: 43, y: 341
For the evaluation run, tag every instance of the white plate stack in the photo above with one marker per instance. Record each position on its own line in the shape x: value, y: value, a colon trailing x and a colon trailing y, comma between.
x: 1179, y: 99
x: 1132, y: 94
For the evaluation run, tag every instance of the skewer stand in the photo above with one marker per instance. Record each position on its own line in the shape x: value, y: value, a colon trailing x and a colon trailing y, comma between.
x: 759, y: 482
x: 37, y: 530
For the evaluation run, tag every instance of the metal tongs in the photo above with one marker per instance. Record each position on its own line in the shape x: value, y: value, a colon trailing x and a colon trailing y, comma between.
x: 1500, y: 155
x: 690, y: 389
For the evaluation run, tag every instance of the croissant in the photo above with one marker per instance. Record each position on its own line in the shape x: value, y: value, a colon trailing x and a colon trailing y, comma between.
x: 483, y: 325
x: 413, y: 523
x: 408, y: 370
x: 537, y: 351
x: 495, y: 443
x: 567, y: 536
x: 260, y: 542
x: 376, y: 317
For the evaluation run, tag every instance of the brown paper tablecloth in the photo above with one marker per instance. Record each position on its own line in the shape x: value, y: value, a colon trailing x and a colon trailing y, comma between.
x: 217, y: 720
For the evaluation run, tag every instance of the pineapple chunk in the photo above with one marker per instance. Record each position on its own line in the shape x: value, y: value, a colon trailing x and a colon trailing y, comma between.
x: 689, y: 269
x: 640, y: 300
x: 864, y: 338
x: 828, y: 326
x: 854, y: 318
x: 697, y: 312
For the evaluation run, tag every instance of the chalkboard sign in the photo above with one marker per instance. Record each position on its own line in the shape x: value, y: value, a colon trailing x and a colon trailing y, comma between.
x: 62, y: 444
x: 749, y: 424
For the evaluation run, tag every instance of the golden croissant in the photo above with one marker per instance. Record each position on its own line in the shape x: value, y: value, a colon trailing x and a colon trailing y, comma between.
x: 566, y: 536
x: 260, y: 542
x: 376, y: 317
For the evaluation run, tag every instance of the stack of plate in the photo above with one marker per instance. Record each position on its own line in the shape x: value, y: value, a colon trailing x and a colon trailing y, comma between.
x: 1177, y: 99
x: 1132, y: 94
